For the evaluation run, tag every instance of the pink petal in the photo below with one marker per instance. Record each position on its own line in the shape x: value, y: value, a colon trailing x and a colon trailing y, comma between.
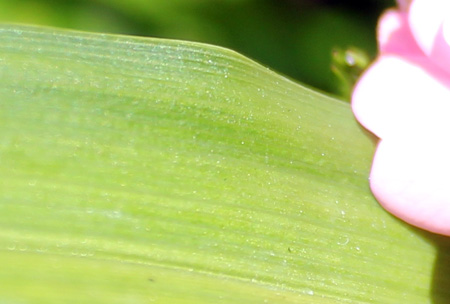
x: 410, y: 179
x: 404, y: 99
x: 429, y: 22
x: 425, y: 19
x: 394, y: 35
x: 397, y: 96
x: 404, y: 4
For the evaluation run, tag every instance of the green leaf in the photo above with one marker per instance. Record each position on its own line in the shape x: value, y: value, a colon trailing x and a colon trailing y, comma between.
x: 136, y: 170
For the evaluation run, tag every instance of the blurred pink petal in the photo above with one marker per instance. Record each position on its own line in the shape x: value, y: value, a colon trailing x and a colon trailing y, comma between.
x: 401, y: 96
x: 425, y: 19
x: 403, y: 4
x: 429, y: 23
x: 404, y: 99
x: 410, y: 179
x: 394, y: 35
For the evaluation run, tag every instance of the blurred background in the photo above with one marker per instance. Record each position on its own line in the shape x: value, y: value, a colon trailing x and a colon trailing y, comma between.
x: 293, y: 37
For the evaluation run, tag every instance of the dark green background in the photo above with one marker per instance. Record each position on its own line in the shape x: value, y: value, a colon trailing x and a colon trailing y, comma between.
x: 294, y: 37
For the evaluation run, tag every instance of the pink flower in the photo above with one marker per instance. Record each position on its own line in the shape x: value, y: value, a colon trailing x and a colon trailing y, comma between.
x: 404, y: 99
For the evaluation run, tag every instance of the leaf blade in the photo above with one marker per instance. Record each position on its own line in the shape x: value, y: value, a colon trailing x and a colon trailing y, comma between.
x: 185, y: 156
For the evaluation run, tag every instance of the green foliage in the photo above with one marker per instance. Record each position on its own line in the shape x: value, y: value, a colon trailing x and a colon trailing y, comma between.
x: 139, y: 170
x: 295, y: 38
x: 348, y: 66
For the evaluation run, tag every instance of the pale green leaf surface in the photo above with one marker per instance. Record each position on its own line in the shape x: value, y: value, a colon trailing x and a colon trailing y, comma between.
x: 135, y: 170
